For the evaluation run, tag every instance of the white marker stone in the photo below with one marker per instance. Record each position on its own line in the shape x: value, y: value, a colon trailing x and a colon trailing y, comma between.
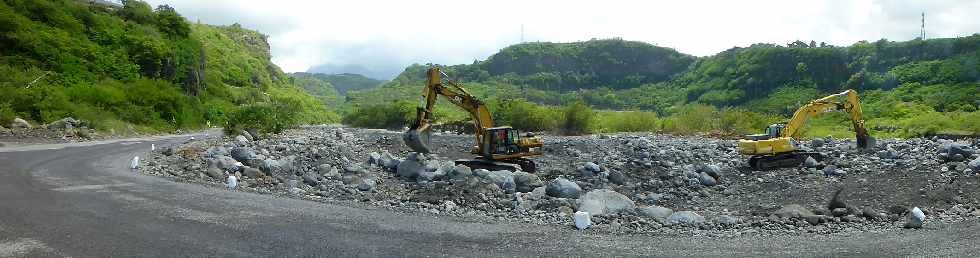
x: 232, y: 182
x: 153, y: 147
x: 135, y: 163
x: 583, y: 220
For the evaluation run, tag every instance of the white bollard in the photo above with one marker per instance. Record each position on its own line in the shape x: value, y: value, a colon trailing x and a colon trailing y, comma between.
x: 583, y: 220
x: 135, y: 163
x: 232, y: 182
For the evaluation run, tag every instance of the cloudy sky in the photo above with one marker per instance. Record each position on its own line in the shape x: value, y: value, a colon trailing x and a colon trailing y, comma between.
x: 380, y: 38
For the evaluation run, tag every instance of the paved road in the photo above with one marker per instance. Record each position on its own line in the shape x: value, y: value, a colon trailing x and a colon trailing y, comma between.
x: 80, y: 200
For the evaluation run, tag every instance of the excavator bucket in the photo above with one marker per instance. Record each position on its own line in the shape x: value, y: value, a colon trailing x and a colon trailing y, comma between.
x: 417, y: 140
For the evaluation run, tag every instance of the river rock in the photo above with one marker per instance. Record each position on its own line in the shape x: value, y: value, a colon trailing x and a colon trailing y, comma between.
x: 563, y: 188
x: 604, y: 201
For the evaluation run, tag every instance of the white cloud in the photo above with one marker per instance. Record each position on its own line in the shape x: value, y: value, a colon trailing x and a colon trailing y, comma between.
x: 388, y: 35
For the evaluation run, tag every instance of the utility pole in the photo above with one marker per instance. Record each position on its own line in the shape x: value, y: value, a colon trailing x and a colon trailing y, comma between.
x: 522, y: 33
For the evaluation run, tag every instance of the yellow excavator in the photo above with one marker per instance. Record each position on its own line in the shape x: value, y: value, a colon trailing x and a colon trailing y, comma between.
x: 778, y: 147
x: 497, y: 148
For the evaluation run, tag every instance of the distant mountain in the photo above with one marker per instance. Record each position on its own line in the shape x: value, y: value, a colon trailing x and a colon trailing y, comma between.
x: 342, y: 83
x: 377, y: 72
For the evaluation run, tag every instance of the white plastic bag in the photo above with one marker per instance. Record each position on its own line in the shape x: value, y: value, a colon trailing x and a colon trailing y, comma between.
x: 583, y: 220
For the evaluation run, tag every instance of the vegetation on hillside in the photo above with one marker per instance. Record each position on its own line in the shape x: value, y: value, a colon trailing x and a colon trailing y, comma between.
x: 134, y: 68
x: 912, y: 88
x: 343, y: 82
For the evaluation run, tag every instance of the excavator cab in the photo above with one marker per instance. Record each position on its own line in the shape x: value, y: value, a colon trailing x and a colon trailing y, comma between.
x: 503, y: 140
x: 773, y: 131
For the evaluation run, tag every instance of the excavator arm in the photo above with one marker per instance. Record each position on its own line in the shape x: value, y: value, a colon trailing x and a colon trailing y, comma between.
x: 417, y: 138
x: 847, y: 101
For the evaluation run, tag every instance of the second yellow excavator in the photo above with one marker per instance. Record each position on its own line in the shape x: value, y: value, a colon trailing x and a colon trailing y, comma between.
x: 778, y: 147
x: 498, y: 148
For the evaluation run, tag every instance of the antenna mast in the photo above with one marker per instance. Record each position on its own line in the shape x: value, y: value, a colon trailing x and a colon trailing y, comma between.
x: 922, y: 30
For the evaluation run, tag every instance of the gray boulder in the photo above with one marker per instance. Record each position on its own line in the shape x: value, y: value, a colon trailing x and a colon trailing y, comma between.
x: 915, y: 219
x: 793, y: 211
x: 226, y: 163
x: 241, y: 140
x: 216, y: 151
x: 67, y: 123
x: 366, y: 184
x: 409, y: 169
x: 975, y: 165
x: 311, y: 179
x: 503, y: 179
x: 616, y: 177
x: 427, y: 176
x: 354, y: 169
x: 563, y: 188
x: 460, y: 172
x: 888, y: 154
x: 952, y: 149
x: 727, y: 220
x: 712, y: 170
x: 660, y: 214
x: 253, y: 172
x: 684, y: 218
x: 215, y: 173
x: 589, y: 169
x: 243, y: 154
x: 604, y: 201
x: 810, y: 162
x: 706, y: 180
x: 374, y: 158
x: 526, y: 182
x: 817, y: 142
x: 20, y: 124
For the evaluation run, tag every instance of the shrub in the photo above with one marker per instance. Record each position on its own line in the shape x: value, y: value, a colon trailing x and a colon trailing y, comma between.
x: 525, y: 115
x: 627, y: 121
x: 7, y: 114
x: 265, y: 118
x: 387, y: 116
x: 577, y: 118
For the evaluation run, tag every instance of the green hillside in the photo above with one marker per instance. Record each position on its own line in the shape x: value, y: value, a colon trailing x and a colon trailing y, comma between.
x: 136, y: 65
x: 343, y: 82
x: 910, y: 88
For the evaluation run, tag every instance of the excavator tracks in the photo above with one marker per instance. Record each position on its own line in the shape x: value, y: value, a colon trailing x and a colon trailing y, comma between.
x: 784, y: 160
x: 521, y: 164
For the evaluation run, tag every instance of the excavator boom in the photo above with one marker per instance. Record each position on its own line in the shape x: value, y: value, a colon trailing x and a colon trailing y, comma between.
x: 493, y: 144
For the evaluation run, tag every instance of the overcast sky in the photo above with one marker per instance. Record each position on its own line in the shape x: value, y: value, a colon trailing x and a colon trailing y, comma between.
x: 380, y: 38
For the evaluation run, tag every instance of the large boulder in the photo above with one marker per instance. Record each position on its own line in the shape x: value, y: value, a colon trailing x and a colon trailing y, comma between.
x: 241, y: 140
x: 793, y: 211
x: 706, y: 179
x: 503, y: 179
x: 915, y: 219
x: 589, y: 169
x: 253, y: 172
x: 243, y: 154
x: 949, y: 150
x: 217, y: 151
x: 712, y: 170
x: 460, y: 172
x: 526, y: 182
x: 409, y: 169
x: 616, y: 177
x: 657, y: 213
x: 67, y: 123
x: 605, y: 201
x: 19, y: 123
x: 684, y: 218
x: 227, y: 163
x: 563, y: 188
x: 975, y: 165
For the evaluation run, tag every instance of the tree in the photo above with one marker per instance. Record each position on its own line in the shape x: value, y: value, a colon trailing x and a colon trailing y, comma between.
x: 137, y: 11
x: 171, y: 23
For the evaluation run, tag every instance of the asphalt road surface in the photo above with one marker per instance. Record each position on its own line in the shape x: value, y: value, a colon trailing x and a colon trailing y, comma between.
x: 82, y: 200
